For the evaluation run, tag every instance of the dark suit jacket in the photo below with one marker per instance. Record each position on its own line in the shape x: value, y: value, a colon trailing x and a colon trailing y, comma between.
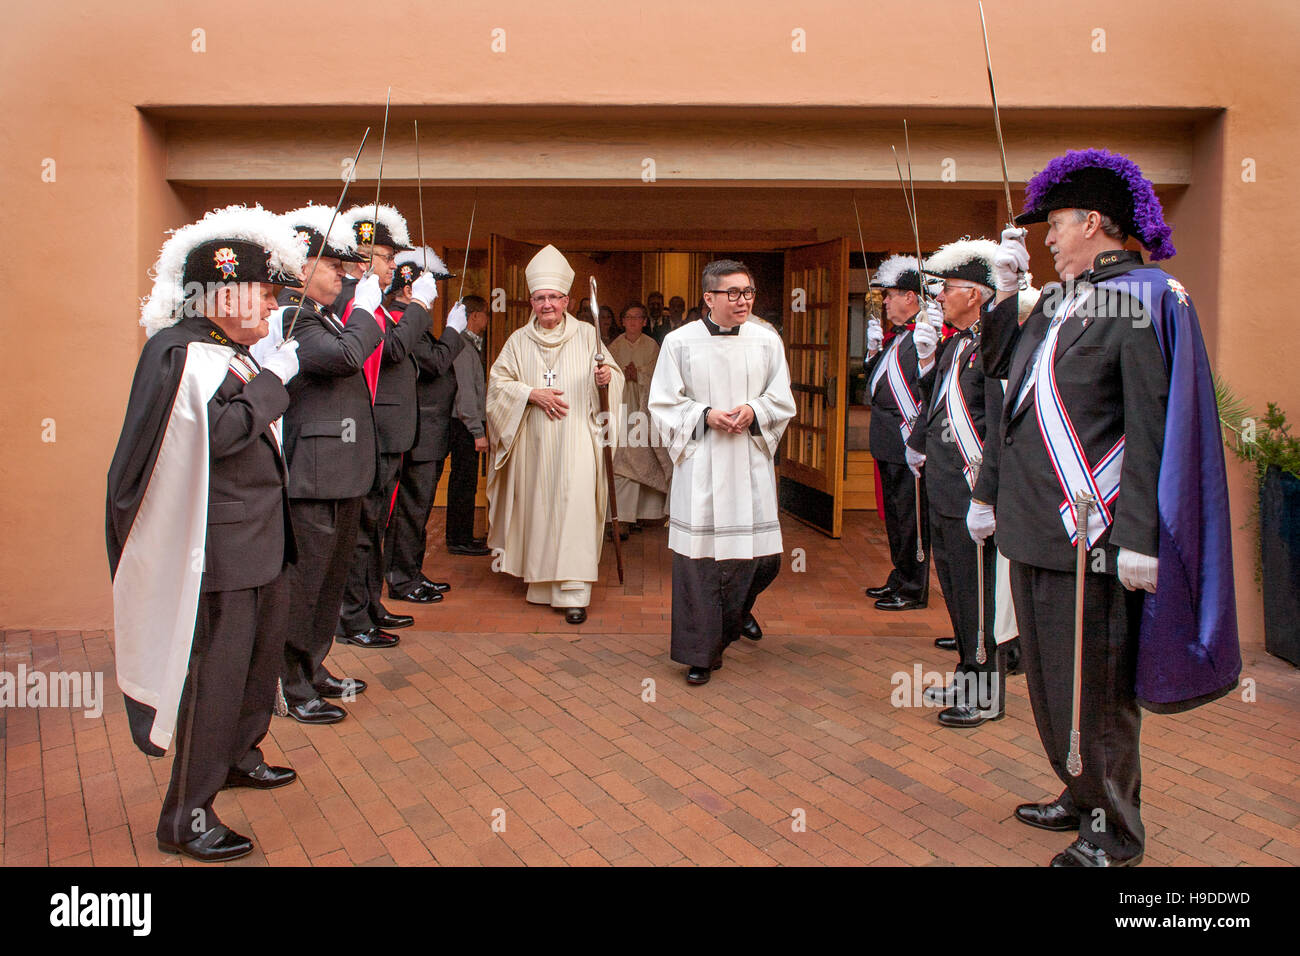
x: 885, y: 439
x: 329, y: 429
x: 1112, y: 378
x: 436, y: 390
x: 945, y: 482
x: 250, y: 535
x: 396, y: 412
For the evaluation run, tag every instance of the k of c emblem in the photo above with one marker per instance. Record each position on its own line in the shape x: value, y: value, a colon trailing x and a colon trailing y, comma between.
x: 407, y: 273
x: 1178, y: 290
x: 226, y: 261
x: 366, y: 230
x: 304, y: 237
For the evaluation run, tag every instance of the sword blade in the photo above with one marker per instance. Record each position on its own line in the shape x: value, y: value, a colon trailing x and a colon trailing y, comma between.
x: 419, y: 193
x: 337, y: 206
x: 379, y: 181
x: 468, y: 239
x: 863, y: 245
x: 997, y: 119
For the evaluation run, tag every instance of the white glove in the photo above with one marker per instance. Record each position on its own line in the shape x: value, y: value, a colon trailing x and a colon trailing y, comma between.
x: 926, y: 338
x: 914, y: 460
x: 456, y: 318
x: 934, y: 314
x: 875, y: 336
x: 283, y: 361
x: 368, y: 295
x: 1137, y: 570
x: 980, y: 521
x: 425, y: 290
x: 1011, y: 260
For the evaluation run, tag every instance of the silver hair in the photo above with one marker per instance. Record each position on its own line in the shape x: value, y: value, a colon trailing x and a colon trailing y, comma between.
x: 1109, y: 227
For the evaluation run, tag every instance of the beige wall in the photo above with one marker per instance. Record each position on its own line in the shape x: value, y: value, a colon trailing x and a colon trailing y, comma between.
x: 107, y: 91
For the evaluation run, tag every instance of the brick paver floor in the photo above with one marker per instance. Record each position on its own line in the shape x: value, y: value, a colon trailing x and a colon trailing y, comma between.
x: 497, y: 734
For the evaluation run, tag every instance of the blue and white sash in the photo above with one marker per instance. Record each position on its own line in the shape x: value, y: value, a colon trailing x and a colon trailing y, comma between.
x: 244, y: 368
x: 1064, y: 448
x: 903, y: 396
x: 963, y: 426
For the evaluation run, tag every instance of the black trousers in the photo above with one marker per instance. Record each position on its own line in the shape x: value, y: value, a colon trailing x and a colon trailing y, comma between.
x: 910, y: 577
x: 462, y: 484
x: 1107, y: 793
x: 327, y: 535
x: 956, y: 565
x: 363, y: 590
x: 710, y: 601
x: 407, y: 538
x: 225, y: 708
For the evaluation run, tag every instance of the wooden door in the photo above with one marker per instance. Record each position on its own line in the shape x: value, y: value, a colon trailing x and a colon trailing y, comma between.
x: 815, y: 330
x: 508, y: 291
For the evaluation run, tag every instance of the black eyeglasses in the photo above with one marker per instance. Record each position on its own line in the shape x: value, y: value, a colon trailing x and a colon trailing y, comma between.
x: 734, y: 295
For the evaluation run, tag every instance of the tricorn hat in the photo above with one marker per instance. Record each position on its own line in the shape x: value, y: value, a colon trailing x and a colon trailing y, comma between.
x: 409, y: 265
x: 388, y: 228
x: 968, y: 259
x: 1110, y: 183
x: 234, y: 244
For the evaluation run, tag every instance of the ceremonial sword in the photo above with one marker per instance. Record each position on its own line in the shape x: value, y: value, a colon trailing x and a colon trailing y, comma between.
x: 920, y: 285
x: 981, y: 655
x: 419, y: 193
x: 997, y: 125
x: 1084, y: 501
x: 468, y: 239
x: 379, y: 180
x: 603, y: 392
x: 337, y: 206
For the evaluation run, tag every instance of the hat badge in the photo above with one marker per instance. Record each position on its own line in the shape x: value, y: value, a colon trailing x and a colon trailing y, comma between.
x: 366, y: 230
x: 304, y: 237
x: 226, y: 261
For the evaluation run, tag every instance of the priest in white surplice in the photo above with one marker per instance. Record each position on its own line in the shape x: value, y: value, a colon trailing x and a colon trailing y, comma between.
x: 721, y: 397
x: 642, y: 469
x: 547, y: 491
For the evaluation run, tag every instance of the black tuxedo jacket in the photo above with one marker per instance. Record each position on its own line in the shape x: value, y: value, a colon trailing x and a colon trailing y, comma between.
x: 1112, y: 379
x: 884, y: 438
x: 436, y: 390
x: 250, y: 535
x: 329, y: 429
x: 396, y: 411
x: 945, y: 482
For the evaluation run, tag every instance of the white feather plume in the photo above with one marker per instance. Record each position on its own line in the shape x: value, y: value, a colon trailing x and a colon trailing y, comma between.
x: 317, y: 217
x: 392, y: 220
x: 887, y: 273
x: 161, y: 308
x: 417, y: 257
x: 955, y: 254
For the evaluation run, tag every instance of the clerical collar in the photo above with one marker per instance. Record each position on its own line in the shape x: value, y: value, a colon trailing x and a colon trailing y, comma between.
x: 716, y: 330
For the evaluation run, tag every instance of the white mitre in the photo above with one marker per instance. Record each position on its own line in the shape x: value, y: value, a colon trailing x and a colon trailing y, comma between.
x: 549, y: 270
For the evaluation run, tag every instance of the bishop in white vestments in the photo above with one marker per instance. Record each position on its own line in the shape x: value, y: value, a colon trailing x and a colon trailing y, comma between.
x: 642, y: 468
x: 547, y: 491
x: 721, y: 397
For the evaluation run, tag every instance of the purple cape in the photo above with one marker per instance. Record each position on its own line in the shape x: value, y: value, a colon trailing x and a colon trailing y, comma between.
x: 1188, y: 653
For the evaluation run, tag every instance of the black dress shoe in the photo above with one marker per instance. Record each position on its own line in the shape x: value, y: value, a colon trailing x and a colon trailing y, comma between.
x: 212, y: 846
x: 417, y: 595
x: 575, y: 615
x: 333, y: 686
x: 967, y: 716
x: 881, y: 592
x: 373, y: 638
x: 442, y: 587
x: 896, y: 602
x: 316, y: 711
x: 1011, y: 652
x: 472, y: 550
x: 1047, y: 816
x: 751, y: 629
x: 478, y: 542
x: 262, y: 777
x: 701, y: 675
x: 1083, y: 853
x: 940, y: 696
x: 394, y: 620
x: 946, y: 643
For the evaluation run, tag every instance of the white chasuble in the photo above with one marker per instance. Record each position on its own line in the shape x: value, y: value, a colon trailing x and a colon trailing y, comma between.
x: 723, y: 502
x: 641, y: 466
x: 547, y: 491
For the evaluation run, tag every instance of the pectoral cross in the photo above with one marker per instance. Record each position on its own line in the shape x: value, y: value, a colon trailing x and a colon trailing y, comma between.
x: 550, y: 378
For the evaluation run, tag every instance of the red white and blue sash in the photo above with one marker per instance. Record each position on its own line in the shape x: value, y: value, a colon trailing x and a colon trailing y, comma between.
x: 244, y: 368
x: 1063, y: 446
x: 963, y: 426
x: 903, y: 396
